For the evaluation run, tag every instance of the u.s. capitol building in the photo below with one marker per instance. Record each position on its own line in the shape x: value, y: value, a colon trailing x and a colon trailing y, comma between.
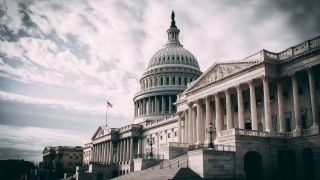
x: 262, y: 113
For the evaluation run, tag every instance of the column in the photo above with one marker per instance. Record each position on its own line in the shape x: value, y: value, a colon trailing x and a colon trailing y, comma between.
x: 163, y: 105
x: 190, y: 135
x: 170, y: 104
x: 98, y: 157
x: 179, y: 126
x: 139, y: 146
x: 186, y: 127
x: 266, y: 104
x: 280, y: 107
x: 128, y: 149
x: 194, y: 125
x: 121, y: 151
x: 208, y: 116
x: 131, y: 148
x: 157, y: 104
x: 229, y: 110
x: 117, y: 153
x: 295, y: 93
x: 253, y: 106
x: 240, y: 107
x: 103, y: 152
x: 313, y: 97
x: 93, y: 153
x: 111, y: 153
x: 134, y: 109
x: 144, y: 106
x: 108, y: 152
x: 218, y: 112
x: 140, y: 107
x: 198, y: 121
x: 149, y: 106
x: 158, y: 142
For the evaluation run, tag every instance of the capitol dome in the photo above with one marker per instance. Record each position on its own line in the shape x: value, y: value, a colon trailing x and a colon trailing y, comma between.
x: 169, y: 71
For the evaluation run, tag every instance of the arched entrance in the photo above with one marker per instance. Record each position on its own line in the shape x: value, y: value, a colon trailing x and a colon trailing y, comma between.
x: 290, y: 165
x: 308, y: 164
x: 281, y: 164
x: 253, y: 165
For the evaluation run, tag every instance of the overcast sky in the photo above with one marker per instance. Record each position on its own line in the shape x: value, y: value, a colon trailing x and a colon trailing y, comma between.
x: 61, y: 60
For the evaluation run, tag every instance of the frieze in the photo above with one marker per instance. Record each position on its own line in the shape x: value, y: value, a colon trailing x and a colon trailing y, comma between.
x: 221, y: 71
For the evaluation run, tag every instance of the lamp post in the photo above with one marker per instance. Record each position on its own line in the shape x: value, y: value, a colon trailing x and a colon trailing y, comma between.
x: 210, y: 130
x: 150, y: 142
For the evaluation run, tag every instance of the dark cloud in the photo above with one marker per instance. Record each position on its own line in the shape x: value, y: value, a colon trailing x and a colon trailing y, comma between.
x: 11, y: 61
x: 26, y: 19
x: 303, y: 16
x: 76, y: 46
x: 13, y: 153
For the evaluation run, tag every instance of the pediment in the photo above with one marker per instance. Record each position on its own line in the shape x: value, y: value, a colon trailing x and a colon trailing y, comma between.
x: 220, y: 71
x: 99, y: 133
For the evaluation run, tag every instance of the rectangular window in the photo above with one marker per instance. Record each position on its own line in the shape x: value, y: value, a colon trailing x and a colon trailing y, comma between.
x: 285, y: 94
x: 300, y: 90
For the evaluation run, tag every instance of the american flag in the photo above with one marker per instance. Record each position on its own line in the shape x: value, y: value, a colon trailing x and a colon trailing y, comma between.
x: 109, y: 104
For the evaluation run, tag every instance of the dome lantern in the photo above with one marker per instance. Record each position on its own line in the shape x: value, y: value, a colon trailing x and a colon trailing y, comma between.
x: 173, y: 32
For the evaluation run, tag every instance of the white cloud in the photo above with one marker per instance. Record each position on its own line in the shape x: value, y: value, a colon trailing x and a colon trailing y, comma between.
x: 84, y: 52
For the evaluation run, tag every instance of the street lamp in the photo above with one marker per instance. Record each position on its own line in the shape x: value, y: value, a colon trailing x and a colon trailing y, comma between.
x: 150, y: 142
x: 210, y: 130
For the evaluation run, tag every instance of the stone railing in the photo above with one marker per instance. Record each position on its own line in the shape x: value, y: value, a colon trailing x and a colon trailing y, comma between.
x: 306, y: 132
x: 159, y: 121
x: 175, y: 144
x: 251, y: 133
x: 129, y: 127
x: 246, y: 132
x: 300, y: 48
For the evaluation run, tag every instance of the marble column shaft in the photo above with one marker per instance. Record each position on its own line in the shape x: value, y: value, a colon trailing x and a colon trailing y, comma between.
x: 179, y: 127
x: 266, y: 103
x: 240, y: 108
x: 218, y: 112
x: 229, y: 110
x: 208, y: 117
x: 253, y: 106
x: 295, y: 93
x: 131, y: 148
x: 198, y: 122
x: 313, y: 98
x: 190, y: 135
x: 186, y: 127
x: 280, y: 107
x: 170, y: 104
x: 163, y: 105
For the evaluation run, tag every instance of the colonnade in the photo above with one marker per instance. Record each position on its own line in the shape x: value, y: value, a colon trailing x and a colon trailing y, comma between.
x: 162, y: 104
x: 156, y: 81
x: 191, y: 128
x: 115, y: 152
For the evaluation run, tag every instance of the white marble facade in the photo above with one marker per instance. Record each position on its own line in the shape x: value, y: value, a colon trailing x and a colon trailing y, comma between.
x: 264, y: 95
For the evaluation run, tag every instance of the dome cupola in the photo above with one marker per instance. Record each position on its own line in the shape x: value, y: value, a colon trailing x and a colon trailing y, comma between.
x: 169, y: 71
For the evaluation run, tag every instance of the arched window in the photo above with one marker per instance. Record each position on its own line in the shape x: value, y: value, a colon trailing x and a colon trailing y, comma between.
x: 253, y: 165
x: 155, y: 81
x: 173, y: 80
x: 308, y: 163
x: 161, y: 81
x: 167, y: 81
x: 179, y: 80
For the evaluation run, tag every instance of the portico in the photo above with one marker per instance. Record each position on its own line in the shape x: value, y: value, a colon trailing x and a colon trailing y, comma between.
x: 250, y: 96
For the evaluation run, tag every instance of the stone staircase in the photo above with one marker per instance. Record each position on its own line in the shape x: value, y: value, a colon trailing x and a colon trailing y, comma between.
x: 176, y: 168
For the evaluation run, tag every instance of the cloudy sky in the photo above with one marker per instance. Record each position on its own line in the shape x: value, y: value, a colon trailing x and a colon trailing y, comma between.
x: 61, y: 60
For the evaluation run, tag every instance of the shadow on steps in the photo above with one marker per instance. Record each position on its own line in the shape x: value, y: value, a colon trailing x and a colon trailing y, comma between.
x: 185, y: 173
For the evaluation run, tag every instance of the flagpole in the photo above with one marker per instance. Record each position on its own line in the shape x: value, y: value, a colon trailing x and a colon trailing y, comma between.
x: 107, y: 116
